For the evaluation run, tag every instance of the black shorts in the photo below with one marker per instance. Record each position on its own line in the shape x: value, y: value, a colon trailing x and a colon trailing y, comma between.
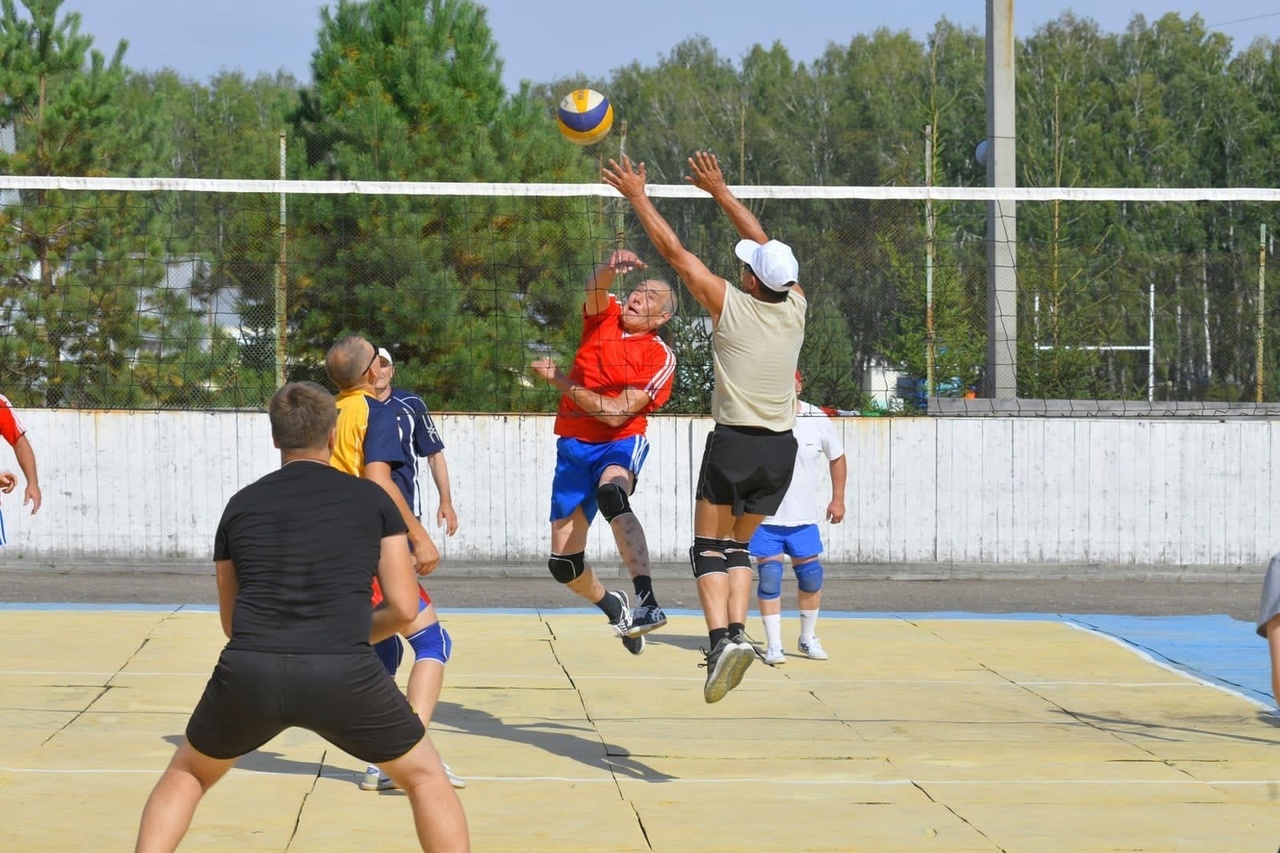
x: 347, y: 699
x: 747, y: 468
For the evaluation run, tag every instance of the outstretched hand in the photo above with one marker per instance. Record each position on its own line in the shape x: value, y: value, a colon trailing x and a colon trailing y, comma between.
x: 625, y: 178
x: 624, y: 261
x: 706, y: 174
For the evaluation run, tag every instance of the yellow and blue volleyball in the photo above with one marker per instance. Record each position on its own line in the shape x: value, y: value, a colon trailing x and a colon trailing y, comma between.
x: 584, y: 116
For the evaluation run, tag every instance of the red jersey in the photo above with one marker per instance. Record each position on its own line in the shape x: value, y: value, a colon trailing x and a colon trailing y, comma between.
x: 10, y: 427
x: 608, y: 361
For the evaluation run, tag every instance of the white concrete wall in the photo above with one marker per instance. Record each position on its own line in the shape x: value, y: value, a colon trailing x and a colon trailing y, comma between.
x: 151, y: 485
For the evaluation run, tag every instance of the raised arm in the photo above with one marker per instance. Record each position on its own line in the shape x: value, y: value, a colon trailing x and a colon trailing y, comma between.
x: 704, y: 285
x: 705, y: 174
x: 601, y: 278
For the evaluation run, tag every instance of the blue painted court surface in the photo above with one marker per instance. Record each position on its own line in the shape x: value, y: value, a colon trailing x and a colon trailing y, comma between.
x: 933, y: 731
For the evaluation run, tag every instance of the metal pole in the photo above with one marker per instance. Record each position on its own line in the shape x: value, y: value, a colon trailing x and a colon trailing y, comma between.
x: 1262, y: 314
x: 929, y: 333
x: 1001, y: 379
x: 1151, y: 342
x: 281, y: 289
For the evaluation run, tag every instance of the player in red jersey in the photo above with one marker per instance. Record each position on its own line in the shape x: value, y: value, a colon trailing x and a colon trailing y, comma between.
x: 13, y: 431
x: 621, y: 372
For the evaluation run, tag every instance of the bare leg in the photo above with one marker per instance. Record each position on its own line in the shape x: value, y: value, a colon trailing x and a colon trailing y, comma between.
x: 569, y: 536
x: 716, y: 522
x: 1273, y: 645
x: 739, y: 594
x: 744, y: 527
x: 438, y: 817
x: 713, y: 595
x: 627, y: 531
x: 426, y: 677
x: 173, y: 801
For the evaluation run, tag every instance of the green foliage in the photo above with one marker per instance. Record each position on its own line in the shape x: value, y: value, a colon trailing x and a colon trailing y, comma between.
x: 467, y: 290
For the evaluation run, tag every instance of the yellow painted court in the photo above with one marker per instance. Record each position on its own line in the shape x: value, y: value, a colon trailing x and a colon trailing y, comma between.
x: 919, y: 734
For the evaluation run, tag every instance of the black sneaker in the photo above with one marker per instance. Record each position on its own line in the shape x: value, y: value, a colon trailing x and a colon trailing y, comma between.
x: 635, y: 645
x: 646, y: 618
x: 621, y: 625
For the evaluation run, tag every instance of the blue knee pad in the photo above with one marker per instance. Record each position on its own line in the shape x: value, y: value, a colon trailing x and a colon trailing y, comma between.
x: 770, y: 580
x: 432, y: 643
x: 809, y: 576
x: 390, y: 651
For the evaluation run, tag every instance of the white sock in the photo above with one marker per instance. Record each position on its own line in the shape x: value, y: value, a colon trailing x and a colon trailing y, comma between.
x: 808, y: 622
x: 772, y: 630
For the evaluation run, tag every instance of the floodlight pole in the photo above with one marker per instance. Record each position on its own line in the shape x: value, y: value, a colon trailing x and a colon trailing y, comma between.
x: 1000, y: 379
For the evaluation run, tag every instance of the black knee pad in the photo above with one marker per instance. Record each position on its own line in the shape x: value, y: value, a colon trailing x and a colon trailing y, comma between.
x: 612, y: 500
x: 567, y: 567
x: 736, y: 555
x: 707, y: 556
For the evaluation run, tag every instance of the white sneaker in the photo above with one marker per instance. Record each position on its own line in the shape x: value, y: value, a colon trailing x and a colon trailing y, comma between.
x: 375, y: 780
x: 454, y: 779
x: 812, y: 647
x: 775, y: 656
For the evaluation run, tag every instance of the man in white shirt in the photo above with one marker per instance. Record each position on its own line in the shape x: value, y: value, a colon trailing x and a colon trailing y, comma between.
x: 793, y: 530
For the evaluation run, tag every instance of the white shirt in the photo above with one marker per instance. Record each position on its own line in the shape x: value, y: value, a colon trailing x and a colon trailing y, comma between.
x: 817, y: 439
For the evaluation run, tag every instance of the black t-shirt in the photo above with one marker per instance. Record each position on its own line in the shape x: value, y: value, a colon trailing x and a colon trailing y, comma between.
x: 305, y: 541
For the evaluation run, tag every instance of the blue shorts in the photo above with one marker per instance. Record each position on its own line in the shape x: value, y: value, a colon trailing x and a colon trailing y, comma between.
x: 579, y: 466
x: 797, y: 543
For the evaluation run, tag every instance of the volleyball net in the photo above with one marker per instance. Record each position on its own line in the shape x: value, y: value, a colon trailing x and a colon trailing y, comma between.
x: 198, y: 294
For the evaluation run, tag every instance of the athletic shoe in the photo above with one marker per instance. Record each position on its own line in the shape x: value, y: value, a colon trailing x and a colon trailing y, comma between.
x: 454, y: 779
x: 812, y: 647
x: 622, y: 625
x: 375, y: 780
x: 725, y: 664
x: 646, y: 618
x: 774, y: 656
x: 635, y: 645
x: 745, y: 656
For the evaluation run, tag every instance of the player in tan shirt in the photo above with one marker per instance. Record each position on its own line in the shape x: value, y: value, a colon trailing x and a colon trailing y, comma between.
x: 757, y: 332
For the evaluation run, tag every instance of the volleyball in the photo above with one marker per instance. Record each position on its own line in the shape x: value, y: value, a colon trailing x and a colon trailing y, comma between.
x: 584, y: 116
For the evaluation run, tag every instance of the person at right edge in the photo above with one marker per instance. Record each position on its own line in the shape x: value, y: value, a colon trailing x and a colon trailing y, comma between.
x: 757, y: 332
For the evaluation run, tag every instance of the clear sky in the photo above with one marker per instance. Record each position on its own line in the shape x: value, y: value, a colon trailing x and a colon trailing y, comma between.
x: 543, y: 40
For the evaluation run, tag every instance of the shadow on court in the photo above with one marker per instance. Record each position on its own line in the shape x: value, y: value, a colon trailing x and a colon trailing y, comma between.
x: 551, y: 737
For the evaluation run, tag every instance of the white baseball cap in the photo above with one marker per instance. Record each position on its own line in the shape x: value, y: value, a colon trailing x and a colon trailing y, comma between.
x: 773, y: 263
x: 382, y: 353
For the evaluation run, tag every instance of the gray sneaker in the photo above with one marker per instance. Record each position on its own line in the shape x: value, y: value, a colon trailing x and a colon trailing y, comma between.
x: 646, y: 618
x: 622, y: 625
x: 635, y: 645
x: 726, y: 664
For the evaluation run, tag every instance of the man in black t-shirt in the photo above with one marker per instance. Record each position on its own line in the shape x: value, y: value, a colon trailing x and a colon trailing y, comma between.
x: 295, y: 555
